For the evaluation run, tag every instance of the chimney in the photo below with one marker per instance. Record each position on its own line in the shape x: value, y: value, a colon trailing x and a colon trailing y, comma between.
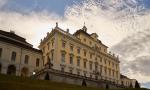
x: 13, y: 32
x: 67, y: 30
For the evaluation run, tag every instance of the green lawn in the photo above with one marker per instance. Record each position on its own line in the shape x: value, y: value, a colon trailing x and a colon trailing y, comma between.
x: 20, y: 83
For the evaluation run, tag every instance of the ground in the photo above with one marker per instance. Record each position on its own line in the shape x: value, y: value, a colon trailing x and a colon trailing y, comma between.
x: 21, y: 83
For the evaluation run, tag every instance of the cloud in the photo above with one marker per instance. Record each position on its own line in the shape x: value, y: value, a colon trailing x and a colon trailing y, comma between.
x: 122, y: 25
x: 135, y: 58
x: 3, y: 2
x: 97, y: 14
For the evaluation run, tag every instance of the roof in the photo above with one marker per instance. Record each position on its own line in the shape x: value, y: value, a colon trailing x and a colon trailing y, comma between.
x: 12, y: 34
x: 81, y: 31
x: 12, y: 38
x: 123, y: 76
x: 89, y: 35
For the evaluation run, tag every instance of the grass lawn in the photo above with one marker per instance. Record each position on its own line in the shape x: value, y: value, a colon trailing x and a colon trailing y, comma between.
x: 20, y: 83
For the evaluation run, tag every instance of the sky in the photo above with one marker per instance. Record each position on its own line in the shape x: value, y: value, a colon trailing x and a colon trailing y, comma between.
x: 123, y: 25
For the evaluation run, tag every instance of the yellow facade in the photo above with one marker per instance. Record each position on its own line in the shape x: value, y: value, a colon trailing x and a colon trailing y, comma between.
x: 81, y: 53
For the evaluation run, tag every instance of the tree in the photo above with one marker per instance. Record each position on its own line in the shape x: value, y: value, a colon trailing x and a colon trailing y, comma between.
x: 83, y: 83
x: 107, y: 86
x: 137, y: 84
x: 131, y: 85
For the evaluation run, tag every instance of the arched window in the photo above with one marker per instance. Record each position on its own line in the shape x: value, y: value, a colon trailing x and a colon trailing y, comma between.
x: 24, y: 72
x: 11, y: 70
x: 26, y: 59
x: 47, y: 76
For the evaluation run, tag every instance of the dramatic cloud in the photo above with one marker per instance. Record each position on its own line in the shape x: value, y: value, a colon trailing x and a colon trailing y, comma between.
x: 134, y: 51
x: 123, y: 25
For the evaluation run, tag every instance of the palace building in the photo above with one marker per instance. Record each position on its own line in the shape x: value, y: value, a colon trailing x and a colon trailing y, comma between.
x: 17, y: 57
x: 79, y: 58
x: 80, y: 54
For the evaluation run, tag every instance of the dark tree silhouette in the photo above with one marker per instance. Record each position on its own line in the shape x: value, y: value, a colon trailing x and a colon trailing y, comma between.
x: 47, y: 76
x: 107, y: 86
x: 137, y: 85
x: 131, y: 85
x: 83, y: 83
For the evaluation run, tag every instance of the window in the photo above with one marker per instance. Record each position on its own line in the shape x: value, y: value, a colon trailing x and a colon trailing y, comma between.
x: 63, y: 44
x: 52, y: 55
x: 101, y: 68
x: 105, y: 61
x: 96, y: 58
x: 109, y: 63
x: 71, y: 59
x: 84, y: 40
x: 105, y: 70
x: 96, y: 77
x: 1, y: 52
x: 62, y: 69
x: 43, y: 49
x: 109, y: 72
x: 52, y: 43
x: 91, y: 55
x: 13, y: 56
x: 48, y: 45
x: 90, y: 65
x: 63, y: 57
x: 104, y: 50
x: 37, y: 62
x: 78, y: 50
x: 96, y: 66
x: 84, y: 64
x: 78, y: 72
x: 113, y: 73
x: 78, y: 62
x: 71, y: 47
x: 117, y: 74
x: 26, y: 59
x: 90, y: 43
x: 70, y: 71
x: 48, y: 59
x: 84, y: 52
x: 100, y: 59
x: 116, y: 66
x: 84, y: 74
x: 0, y: 68
x: 112, y: 64
x: 90, y: 75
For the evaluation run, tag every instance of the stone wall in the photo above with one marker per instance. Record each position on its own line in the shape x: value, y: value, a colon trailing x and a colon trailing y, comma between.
x: 63, y: 77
